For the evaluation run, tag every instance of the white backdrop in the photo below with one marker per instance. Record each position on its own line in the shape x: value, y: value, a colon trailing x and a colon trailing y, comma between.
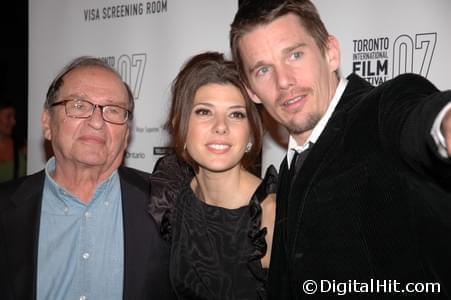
x: 381, y: 39
x: 147, y: 41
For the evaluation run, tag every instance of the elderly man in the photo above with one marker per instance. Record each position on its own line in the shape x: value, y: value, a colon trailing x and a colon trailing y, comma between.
x: 79, y: 228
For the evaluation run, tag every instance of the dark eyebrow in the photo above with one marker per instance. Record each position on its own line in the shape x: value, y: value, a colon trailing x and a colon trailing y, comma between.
x: 238, y: 106
x: 203, y: 103
x: 212, y: 106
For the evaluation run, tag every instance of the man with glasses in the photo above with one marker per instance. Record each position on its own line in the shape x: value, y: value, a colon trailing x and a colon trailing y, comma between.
x: 79, y: 228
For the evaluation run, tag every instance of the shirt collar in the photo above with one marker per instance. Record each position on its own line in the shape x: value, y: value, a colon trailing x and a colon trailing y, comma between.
x: 65, y: 196
x: 319, y: 127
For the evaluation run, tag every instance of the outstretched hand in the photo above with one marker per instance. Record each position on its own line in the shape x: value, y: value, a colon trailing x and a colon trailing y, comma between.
x: 446, y: 130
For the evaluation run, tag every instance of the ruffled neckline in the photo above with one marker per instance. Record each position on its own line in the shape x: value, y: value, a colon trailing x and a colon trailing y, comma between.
x: 168, y: 177
x: 257, y: 234
x: 171, y: 179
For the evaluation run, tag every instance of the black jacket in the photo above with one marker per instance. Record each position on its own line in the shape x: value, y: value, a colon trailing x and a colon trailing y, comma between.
x: 146, y: 254
x: 372, y: 200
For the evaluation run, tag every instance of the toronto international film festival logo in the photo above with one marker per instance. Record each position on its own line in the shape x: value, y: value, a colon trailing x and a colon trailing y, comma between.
x: 379, y: 59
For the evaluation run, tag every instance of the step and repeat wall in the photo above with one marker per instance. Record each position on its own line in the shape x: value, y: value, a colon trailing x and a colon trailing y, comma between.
x: 148, y: 41
x: 379, y: 40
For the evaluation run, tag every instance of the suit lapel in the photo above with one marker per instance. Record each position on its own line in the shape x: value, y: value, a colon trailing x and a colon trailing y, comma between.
x: 21, y: 222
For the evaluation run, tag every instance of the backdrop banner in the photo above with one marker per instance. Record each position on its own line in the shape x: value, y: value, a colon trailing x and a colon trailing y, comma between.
x: 146, y: 41
x: 380, y: 40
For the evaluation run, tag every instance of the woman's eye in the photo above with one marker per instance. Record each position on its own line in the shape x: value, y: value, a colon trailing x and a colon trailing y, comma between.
x: 238, y: 115
x: 202, y: 112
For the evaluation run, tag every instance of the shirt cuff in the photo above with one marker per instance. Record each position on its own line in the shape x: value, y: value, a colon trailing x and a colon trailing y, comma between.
x: 436, y: 133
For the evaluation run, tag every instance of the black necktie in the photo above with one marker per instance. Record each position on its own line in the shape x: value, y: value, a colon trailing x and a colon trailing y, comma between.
x: 293, y: 162
x: 298, y: 160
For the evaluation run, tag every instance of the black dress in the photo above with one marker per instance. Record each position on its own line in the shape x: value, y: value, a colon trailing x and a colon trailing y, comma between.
x: 215, y: 252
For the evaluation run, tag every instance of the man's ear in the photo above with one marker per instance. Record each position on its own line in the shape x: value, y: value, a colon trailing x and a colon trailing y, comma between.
x: 45, y: 123
x: 253, y: 96
x: 333, y: 53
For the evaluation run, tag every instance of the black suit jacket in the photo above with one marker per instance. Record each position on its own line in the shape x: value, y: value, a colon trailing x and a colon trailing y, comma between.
x: 372, y: 200
x: 146, y: 254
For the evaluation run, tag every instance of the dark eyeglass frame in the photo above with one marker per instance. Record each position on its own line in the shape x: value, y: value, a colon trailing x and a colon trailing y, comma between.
x: 94, y: 106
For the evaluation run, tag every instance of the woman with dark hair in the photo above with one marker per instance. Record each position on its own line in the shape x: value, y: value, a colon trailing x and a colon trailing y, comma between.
x: 217, y: 215
x: 12, y: 153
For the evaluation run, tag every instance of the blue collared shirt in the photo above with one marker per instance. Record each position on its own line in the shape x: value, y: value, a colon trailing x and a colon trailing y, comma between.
x: 81, y: 247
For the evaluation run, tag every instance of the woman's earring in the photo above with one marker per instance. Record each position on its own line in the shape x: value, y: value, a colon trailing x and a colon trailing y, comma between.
x: 248, y: 147
x: 184, y: 147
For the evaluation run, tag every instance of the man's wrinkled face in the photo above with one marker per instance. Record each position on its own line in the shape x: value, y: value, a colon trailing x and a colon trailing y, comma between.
x: 89, y: 142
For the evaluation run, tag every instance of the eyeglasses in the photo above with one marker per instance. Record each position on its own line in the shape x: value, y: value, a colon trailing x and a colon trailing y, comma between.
x: 83, y: 109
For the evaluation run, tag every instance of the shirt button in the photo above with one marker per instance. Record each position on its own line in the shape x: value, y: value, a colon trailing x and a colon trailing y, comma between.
x: 83, y: 298
x: 87, y: 214
x: 107, y: 203
x: 85, y: 256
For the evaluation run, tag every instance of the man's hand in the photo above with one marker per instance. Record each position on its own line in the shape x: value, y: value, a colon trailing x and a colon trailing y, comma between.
x: 446, y: 131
